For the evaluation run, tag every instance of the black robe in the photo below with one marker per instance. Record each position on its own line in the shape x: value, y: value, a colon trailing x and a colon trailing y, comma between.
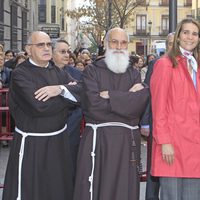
x: 47, y: 166
x: 115, y: 175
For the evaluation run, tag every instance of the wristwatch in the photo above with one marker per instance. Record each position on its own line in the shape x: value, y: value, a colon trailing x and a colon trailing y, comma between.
x: 62, y: 89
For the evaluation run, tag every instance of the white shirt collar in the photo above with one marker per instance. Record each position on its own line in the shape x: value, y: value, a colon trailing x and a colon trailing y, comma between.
x: 32, y: 62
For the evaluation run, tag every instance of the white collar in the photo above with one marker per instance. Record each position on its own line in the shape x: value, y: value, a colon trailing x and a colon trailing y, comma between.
x: 32, y: 62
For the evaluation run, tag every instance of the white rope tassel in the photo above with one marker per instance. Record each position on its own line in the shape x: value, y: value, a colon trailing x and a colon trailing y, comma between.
x: 93, y: 160
x: 21, y: 152
x: 21, y: 155
x: 95, y: 127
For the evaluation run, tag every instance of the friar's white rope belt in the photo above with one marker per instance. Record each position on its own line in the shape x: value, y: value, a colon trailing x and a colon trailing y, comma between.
x: 21, y: 152
x: 95, y: 127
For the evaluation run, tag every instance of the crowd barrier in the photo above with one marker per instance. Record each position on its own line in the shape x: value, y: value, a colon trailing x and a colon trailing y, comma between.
x: 5, y: 118
x: 6, y: 133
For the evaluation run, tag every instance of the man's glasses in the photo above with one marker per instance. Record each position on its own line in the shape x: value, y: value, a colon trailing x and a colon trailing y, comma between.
x: 41, y: 45
x: 115, y: 43
x: 64, y: 52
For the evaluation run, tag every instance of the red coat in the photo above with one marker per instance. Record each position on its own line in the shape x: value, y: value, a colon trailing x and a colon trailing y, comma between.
x: 176, y: 118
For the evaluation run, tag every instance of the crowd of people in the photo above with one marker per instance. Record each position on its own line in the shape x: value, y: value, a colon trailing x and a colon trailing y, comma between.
x: 117, y: 97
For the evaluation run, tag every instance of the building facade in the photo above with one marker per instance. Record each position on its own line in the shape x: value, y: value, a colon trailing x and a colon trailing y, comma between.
x: 20, y: 17
x: 14, y: 20
x: 151, y: 24
x: 53, y: 20
x: 196, y: 9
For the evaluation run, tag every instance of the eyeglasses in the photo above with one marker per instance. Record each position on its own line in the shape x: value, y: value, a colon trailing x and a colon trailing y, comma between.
x: 64, y: 52
x: 123, y: 43
x: 41, y: 45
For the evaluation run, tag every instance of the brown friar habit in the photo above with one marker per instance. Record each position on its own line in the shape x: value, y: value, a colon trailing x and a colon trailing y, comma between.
x: 117, y: 152
x: 46, y: 167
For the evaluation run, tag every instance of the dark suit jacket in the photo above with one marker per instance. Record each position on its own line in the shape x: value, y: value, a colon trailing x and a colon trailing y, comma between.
x: 147, y: 116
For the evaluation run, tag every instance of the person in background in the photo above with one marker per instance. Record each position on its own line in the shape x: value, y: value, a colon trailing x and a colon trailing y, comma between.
x: 61, y: 59
x: 9, y: 55
x: 150, y: 57
x: 79, y: 64
x: 10, y: 59
x: 140, y: 66
x: 152, y: 186
x: 133, y: 59
x: 41, y: 96
x: 5, y: 73
x: 175, y: 91
x: 72, y: 59
x: 113, y: 100
x: 19, y: 59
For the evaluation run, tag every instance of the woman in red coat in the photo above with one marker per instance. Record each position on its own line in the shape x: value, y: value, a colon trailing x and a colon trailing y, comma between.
x: 175, y: 90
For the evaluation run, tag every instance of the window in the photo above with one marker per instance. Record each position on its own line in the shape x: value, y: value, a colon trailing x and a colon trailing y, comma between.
x: 26, y: 3
x: 2, y: 11
x: 53, y: 11
x: 62, y: 22
x: 1, y: 21
x: 42, y: 11
x: 141, y: 23
x: 188, y: 2
x: 13, y: 31
x: 141, y: 3
x: 165, y: 24
x: 24, y: 28
x: 164, y: 2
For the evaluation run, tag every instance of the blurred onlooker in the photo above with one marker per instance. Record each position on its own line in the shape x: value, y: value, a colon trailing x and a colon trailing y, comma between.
x: 85, y: 51
x: 80, y: 65
x: 9, y: 55
x: 19, y: 59
x: 88, y: 61
x: 150, y: 57
x: 72, y: 59
x: 134, y: 61
x: 140, y: 65
x: 101, y: 49
x: 4, y: 73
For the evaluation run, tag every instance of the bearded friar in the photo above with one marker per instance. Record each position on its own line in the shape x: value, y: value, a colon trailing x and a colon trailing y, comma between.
x: 113, y: 100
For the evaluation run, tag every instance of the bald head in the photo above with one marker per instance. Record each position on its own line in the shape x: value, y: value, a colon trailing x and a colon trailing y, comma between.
x: 116, y: 37
x: 39, y: 48
x: 34, y: 35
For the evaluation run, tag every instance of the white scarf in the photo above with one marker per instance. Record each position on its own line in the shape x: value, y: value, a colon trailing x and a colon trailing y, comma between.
x: 190, y: 58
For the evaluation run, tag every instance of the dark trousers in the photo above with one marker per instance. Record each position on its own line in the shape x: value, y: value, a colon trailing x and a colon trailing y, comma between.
x: 153, y: 185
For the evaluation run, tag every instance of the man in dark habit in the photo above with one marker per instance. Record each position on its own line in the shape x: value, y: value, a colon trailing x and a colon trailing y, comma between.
x: 39, y: 165
x: 113, y: 101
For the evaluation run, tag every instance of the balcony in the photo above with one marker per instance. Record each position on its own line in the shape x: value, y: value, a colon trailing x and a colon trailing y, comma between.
x: 141, y: 32
x: 188, y: 4
x: 164, y: 3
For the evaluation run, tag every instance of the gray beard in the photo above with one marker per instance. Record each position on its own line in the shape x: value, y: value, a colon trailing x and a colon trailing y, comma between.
x: 117, y: 60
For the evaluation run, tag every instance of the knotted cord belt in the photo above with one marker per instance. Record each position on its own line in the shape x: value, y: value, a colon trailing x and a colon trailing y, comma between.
x: 21, y: 152
x: 95, y: 127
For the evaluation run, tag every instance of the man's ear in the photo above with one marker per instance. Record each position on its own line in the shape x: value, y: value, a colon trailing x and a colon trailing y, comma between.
x: 27, y: 48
